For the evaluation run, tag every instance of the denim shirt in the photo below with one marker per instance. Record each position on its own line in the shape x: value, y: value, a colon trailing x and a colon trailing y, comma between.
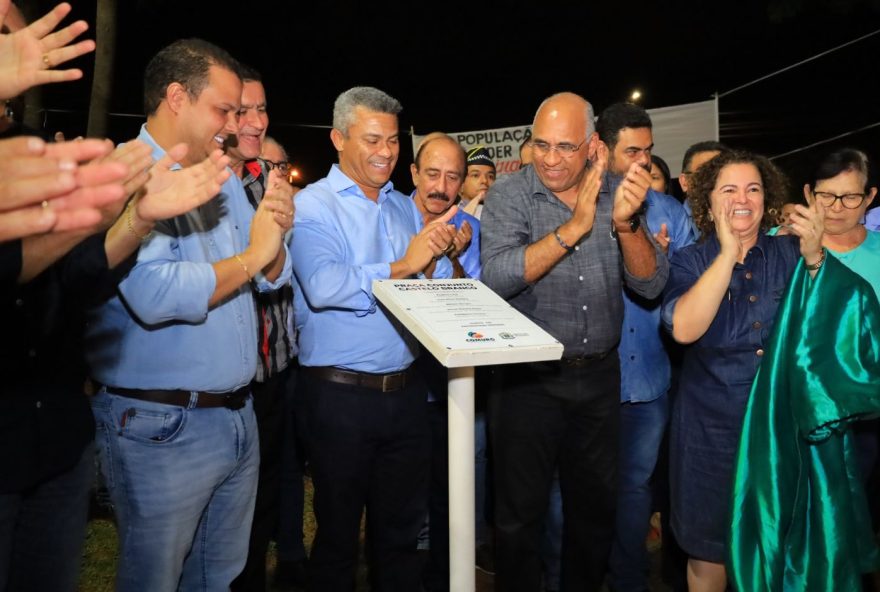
x: 724, y: 361
x: 158, y: 332
x: 645, y: 373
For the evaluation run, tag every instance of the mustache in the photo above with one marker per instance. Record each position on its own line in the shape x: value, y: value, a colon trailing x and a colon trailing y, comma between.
x: 438, y: 195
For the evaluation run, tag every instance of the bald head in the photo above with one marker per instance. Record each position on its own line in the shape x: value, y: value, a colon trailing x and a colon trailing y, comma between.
x: 440, y: 141
x: 563, y: 142
x: 567, y: 104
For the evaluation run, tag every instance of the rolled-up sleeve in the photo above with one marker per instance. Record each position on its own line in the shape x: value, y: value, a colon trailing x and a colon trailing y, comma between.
x: 161, y: 287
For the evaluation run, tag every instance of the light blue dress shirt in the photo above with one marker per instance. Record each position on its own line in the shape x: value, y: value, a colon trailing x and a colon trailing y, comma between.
x: 645, y: 373
x: 342, y: 241
x: 158, y: 332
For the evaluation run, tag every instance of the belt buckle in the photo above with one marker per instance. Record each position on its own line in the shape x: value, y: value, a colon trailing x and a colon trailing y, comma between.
x: 233, y: 402
x: 386, y: 386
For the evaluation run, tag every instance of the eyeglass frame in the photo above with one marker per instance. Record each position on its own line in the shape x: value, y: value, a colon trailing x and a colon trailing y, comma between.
x: 548, y: 148
x: 835, y: 197
x: 271, y: 164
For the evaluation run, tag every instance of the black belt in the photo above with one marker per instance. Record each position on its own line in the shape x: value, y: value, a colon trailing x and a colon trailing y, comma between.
x: 385, y: 383
x: 581, y: 361
x: 230, y: 399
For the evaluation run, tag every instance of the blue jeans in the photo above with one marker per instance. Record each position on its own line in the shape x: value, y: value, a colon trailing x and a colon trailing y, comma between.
x: 183, y: 483
x: 641, y: 432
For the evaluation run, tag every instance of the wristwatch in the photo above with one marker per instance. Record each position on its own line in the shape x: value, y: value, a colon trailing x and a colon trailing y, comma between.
x: 634, y: 224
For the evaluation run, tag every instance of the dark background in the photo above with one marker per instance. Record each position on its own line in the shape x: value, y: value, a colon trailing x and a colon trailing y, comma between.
x: 464, y: 66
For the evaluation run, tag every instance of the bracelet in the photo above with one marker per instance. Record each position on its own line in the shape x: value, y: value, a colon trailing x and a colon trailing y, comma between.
x: 129, y: 221
x: 817, y: 264
x: 560, y: 241
x: 243, y: 266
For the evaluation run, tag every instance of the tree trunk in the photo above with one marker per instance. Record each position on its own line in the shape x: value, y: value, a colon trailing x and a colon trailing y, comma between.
x: 102, y: 82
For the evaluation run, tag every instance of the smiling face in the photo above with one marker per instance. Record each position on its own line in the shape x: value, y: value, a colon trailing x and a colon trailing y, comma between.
x: 438, y: 177
x: 206, y: 121
x: 740, y: 187
x: 368, y: 150
x: 253, y: 120
x: 562, y: 120
x: 840, y: 220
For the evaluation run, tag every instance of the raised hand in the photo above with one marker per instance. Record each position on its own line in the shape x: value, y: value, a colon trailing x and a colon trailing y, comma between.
x: 662, y: 238
x: 584, y: 212
x: 630, y: 194
x: 808, y: 223
x: 731, y: 245
x: 28, y: 56
x: 169, y: 193
x: 461, y: 240
x: 432, y: 241
x: 266, y: 233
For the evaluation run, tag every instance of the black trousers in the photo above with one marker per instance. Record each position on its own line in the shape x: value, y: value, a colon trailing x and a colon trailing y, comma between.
x: 366, y: 449
x: 549, y: 415
x: 270, y: 407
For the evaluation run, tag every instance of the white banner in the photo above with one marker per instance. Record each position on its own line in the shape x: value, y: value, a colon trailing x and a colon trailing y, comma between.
x: 675, y: 129
x: 502, y: 144
x: 678, y: 127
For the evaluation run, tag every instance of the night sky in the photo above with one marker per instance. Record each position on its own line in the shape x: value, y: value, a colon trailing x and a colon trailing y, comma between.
x: 464, y: 66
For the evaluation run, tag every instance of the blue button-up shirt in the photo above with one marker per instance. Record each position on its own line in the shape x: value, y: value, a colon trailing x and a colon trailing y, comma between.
x: 470, y: 258
x: 645, y: 373
x: 342, y: 241
x: 158, y: 332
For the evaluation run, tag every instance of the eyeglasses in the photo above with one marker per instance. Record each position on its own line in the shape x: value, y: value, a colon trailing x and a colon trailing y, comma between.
x: 283, y: 166
x: 565, y: 150
x: 849, y: 200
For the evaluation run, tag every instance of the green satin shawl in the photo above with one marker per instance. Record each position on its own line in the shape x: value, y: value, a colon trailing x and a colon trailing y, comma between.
x: 800, y: 518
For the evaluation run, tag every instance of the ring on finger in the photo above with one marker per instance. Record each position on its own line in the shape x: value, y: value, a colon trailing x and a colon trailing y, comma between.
x: 47, y: 61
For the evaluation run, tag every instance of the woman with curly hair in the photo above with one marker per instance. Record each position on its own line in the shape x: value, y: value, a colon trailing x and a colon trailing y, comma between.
x: 721, y: 298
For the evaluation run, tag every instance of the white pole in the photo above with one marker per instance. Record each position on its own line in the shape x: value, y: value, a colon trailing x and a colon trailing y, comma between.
x: 462, y: 554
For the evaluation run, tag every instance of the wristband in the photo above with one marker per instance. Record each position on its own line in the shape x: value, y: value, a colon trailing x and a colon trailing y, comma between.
x: 561, y: 242
x: 243, y: 266
x: 129, y: 222
x: 818, y: 263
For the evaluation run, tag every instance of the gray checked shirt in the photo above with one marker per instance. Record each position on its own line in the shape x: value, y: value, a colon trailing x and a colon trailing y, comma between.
x: 579, y: 300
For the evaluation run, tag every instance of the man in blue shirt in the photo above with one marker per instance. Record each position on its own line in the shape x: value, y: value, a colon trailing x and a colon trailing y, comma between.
x: 176, y: 350
x: 644, y: 364
x: 364, y: 415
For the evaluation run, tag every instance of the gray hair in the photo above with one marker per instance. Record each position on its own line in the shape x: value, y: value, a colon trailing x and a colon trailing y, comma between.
x: 271, y: 140
x: 367, y: 97
x: 590, y: 115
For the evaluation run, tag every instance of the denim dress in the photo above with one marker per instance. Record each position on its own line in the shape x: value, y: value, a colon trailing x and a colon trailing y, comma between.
x: 716, y: 378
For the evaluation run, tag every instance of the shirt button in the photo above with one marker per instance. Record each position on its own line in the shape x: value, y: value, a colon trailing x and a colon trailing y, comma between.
x: 631, y: 330
x: 39, y: 404
x: 584, y: 307
x: 585, y: 339
x: 748, y: 275
x: 577, y: 248
x: 756, y: 325
x: 759, y: 353
x: 19, y: 302
x: 632, y: 357
x: 753, y: 298
x: 580, y: 278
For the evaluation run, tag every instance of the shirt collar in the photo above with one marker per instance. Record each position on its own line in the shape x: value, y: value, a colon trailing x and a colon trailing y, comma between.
x: 343, y: 185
